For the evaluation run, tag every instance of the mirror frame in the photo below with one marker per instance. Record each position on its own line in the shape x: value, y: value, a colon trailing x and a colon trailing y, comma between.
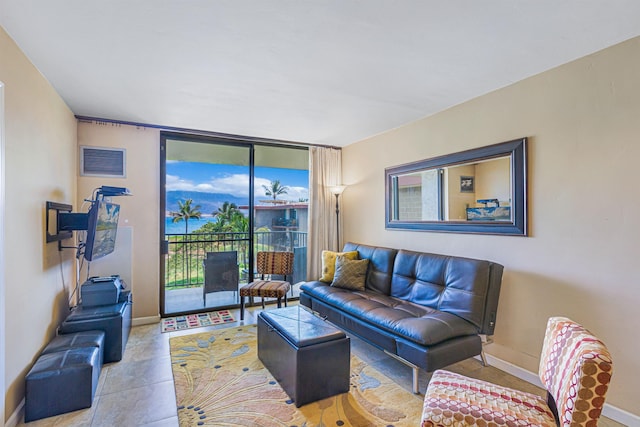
x: 516, y: 149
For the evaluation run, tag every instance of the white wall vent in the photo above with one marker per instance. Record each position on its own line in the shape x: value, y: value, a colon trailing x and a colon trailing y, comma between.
x: 107, y: 162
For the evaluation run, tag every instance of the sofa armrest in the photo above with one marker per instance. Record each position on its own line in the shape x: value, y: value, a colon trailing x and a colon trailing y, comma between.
x: 493, y: 294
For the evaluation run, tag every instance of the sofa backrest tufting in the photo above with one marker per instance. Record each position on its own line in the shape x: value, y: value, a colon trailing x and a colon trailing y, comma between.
x: 380, y: 267
x: 460, y: 286
x: 468, y: 288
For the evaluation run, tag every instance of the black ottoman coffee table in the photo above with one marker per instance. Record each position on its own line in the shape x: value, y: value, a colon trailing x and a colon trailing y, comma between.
x: 308, y: 356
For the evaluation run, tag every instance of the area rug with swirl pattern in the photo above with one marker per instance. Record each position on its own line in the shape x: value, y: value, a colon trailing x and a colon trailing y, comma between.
x: 220, y: 381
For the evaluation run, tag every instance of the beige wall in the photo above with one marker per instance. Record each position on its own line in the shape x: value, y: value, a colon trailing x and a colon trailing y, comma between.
x: 581, y: 259
x: 457, y: 201
x: 40, y: 165
x: 493, y: 181
x: 140, y: 212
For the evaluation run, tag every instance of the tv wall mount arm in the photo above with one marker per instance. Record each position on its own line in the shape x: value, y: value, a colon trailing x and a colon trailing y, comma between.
x: 61, y: 222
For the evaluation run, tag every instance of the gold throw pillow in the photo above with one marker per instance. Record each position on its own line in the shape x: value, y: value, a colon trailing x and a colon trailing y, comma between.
x: 329, y: 263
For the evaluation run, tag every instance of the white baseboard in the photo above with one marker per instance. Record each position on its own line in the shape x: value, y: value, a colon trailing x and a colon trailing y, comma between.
x: 609, y: 411
x: 145, y: 320
x: 16, y: 416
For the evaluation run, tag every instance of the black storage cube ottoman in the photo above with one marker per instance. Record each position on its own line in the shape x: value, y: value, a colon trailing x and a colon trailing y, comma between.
x: 309, y: 357
x: 62, y: 382
x: 114, y: 320
x: 77, y: 340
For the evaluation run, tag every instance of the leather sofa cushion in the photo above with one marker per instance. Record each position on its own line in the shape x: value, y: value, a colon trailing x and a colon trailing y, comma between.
x: 423, y: 325
x: 456, y: 285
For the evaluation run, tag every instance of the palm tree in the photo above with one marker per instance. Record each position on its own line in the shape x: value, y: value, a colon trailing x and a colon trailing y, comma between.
x: 186, y: 212
x: 226, y: 212
x: 240, y: 223
x: 275, y: 189
x: 230, y: 219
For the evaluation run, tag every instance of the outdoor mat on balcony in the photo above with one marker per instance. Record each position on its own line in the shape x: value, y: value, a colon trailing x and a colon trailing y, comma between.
x: 199, y: 320
x: 219, y: 380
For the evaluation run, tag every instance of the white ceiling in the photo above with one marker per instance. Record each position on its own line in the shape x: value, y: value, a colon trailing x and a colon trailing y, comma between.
x: 326, y: 72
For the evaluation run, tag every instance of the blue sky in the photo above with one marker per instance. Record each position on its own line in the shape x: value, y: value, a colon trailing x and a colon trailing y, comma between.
x: 211, y: 178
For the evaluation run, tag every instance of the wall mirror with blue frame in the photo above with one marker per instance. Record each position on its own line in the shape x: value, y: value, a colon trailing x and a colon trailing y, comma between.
x: 483, y: 190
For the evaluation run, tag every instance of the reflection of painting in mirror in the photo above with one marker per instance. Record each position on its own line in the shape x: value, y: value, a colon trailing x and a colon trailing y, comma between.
x: 466, y: 184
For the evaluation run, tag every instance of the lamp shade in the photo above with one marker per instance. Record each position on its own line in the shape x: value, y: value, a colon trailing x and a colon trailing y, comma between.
x: 337, y: 189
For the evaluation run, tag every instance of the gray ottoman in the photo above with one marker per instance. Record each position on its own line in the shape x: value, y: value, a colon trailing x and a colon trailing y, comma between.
x: 77, y: 340
x: 61, y: 382
x: 114, y: 320
x: 308, y: 356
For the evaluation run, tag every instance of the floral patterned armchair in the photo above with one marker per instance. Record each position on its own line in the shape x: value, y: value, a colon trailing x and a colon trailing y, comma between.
x: 575, y: 368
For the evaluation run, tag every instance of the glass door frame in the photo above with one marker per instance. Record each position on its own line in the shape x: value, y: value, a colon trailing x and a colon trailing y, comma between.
x: 164, y: 244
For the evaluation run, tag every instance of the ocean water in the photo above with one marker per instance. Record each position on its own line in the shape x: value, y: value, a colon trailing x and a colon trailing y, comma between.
x: 171, y: 227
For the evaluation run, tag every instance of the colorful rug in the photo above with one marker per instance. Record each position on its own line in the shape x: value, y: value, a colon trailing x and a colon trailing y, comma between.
x: 199, y: 320
x: 220, y: 381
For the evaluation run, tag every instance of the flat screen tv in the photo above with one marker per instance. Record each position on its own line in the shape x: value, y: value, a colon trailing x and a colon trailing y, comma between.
x: 101, y: 230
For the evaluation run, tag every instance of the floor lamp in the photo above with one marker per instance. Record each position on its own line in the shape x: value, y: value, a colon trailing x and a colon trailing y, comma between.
x: 337, y: 190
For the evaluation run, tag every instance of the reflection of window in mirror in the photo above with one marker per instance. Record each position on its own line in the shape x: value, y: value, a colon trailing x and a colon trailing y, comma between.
x: 418, y: 196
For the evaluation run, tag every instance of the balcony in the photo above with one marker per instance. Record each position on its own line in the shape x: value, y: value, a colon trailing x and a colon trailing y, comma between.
x: 185, y: 271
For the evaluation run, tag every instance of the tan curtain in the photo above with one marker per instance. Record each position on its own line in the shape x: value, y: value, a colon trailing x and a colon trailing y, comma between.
x: 325, y: 170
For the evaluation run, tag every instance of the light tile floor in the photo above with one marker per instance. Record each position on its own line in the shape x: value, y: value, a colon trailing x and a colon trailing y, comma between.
x: 138, y: 390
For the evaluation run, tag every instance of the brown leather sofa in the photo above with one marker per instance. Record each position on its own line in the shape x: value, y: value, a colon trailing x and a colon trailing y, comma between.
x: 427, y: 310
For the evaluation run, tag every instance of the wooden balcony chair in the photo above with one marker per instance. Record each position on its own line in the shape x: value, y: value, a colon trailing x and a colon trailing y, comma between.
x: 268, y: 264
x: 575, y: 368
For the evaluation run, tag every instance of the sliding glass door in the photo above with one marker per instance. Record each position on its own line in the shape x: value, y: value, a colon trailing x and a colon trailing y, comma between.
x: 206, y: 239
x: 217, y: 209
x: 281, y: 207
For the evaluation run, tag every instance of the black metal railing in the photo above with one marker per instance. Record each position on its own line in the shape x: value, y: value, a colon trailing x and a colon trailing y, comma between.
x: 184, y: 262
